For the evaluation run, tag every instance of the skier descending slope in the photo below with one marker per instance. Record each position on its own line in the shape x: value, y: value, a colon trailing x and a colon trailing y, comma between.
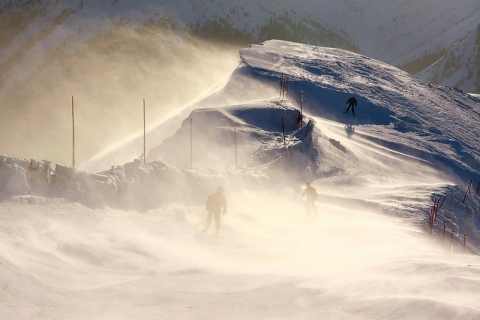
x: 311, y: 194
x: 214, y: 205
x: 352, y: 103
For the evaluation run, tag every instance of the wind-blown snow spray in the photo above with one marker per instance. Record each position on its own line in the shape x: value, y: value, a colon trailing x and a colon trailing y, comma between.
x: 107, y: 80
x: 144, y: 135
x: 73, y: 134
x: 348, y: 256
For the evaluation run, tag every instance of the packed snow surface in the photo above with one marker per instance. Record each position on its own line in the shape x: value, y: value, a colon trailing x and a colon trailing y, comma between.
x: 123, y: 240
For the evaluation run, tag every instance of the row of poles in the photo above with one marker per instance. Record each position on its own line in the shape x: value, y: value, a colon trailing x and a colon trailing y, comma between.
x: 235, y: 142
x: 144, y: 133
x: 469, y: 189
x: 437, y: 205
x: 283, y: 95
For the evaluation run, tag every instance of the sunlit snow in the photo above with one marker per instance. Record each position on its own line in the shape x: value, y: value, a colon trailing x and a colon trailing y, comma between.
x: 119, y: 239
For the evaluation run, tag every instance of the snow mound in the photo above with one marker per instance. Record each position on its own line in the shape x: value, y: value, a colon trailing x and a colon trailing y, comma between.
x: 395, y: 108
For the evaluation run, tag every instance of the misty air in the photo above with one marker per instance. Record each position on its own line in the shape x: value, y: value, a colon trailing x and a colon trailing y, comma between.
x: 239, y: 159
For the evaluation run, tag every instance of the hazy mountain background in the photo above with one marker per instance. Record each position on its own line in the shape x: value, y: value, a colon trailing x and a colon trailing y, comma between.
x: 112, y: 54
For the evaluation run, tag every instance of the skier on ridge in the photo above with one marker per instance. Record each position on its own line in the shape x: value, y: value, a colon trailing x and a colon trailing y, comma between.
x: 352, y: 102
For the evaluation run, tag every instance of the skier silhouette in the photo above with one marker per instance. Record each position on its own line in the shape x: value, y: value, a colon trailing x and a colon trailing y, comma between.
x: 215, y: 202
x: 311, y: 194
x: 352, y: 102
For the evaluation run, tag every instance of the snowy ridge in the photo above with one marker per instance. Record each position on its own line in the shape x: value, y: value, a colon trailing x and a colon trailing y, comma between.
x: 52, y: 50
x: 460, y: 60
x: 413, y: 115
x: 126, y: 242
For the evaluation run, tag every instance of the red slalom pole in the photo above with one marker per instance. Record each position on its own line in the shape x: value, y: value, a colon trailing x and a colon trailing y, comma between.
x: 444, y: 230
x: 451, y: 241
x: 468, y: 190
x: 430, y: 223
x: 441, y: 204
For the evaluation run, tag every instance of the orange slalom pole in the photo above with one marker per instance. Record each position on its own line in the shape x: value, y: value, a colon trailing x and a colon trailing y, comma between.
x: 451, y: 241
x: 444, y: 230
x: 430, y: 223
x: 441, y: 204
x: 468, y: 190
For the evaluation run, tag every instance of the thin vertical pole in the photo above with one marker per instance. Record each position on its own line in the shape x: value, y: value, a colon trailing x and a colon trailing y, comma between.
x: 478, y: 186
x: 430, y: 223
x: 301, y: 102
x: 464, y: 243
x: 144, y: 135
x: 73, y: 133
x: 283, y: 131
x: 451, y: 241
x: 191, y: 144
x: 281, y: 86
x: 286, y: 86
x: 468, y: 190
x: 236, y: 158
x: 441, y: 204
x: 301, y: 109
x: 444, y: 229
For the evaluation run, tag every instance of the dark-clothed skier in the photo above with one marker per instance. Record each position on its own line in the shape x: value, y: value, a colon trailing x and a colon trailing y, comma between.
x: 216, y: 203
x: 311, y: 194
x: 352, y: 102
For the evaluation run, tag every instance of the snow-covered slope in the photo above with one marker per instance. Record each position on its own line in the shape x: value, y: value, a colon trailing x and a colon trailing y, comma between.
x: 399, y: 116
x: 118, y: 244
x: 111, y: 54
x: 411, y: 126
x: 459, y: 67
x: 421, y: 119
x: 395, y: 109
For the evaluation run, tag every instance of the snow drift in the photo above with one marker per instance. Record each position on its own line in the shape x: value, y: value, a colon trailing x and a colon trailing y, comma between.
x: 123, y: 242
